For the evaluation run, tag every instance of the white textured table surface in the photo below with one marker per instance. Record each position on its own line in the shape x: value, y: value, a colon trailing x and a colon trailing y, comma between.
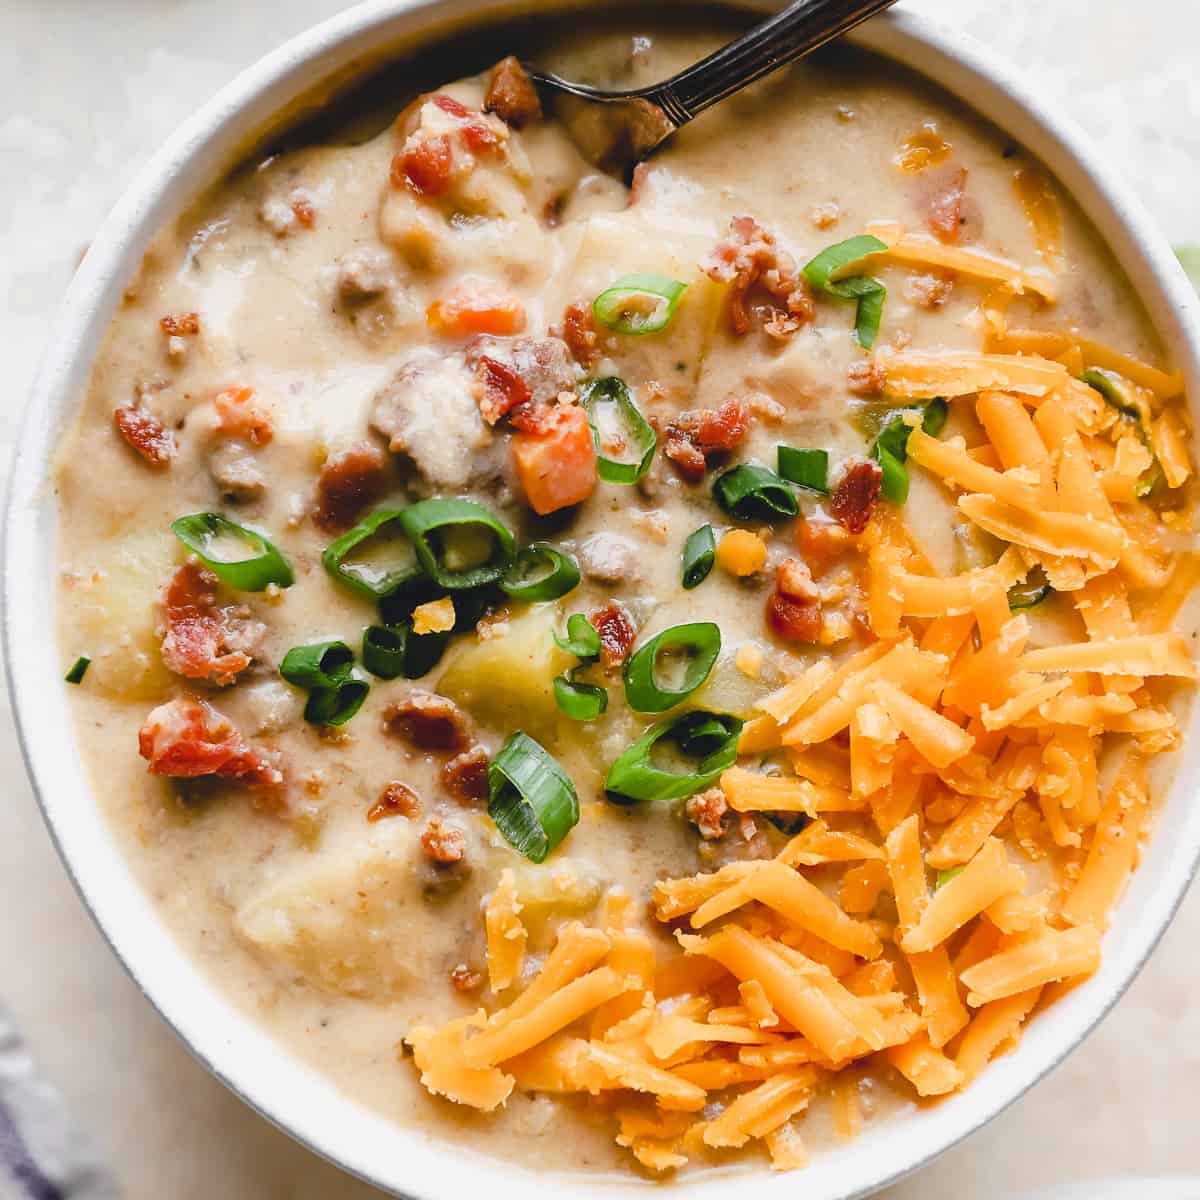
x: 87, y: 90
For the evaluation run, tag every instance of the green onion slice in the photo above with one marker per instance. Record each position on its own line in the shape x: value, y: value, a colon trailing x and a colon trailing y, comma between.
x: 373, y: 580
x: 392, y: 651
x: 635, y: 431
x: 336, y: 705
x: 868, y: 292
x: 321, y: 665
x: 711, y: 738
x: 1033, y: 591
x: 933, y: 419
x: 894, y: 484
x: 460, y: 543
x: 541, y: 572
x: 579, y: 701
x: 699, y: 554
x: 944, y: 877
x: 750, y: 492
x: 582, y: 640
x: 208, y: 535
x: 530, y: 798
x: 78, y: 670
x: 789, y: 823
x: 890, y: 448
x: 1120, y: 394
x: 638, y: 304
x: 808, y: 468
x: 700, y: 641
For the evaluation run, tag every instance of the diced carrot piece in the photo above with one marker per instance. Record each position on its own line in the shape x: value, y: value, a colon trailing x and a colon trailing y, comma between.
x: 556, y: 462
x: 471, y: 309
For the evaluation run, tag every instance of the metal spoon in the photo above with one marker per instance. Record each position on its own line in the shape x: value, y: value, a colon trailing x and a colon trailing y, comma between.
x: 617, y: 130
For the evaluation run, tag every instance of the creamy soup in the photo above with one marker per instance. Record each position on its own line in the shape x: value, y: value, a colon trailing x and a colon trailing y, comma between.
x: 400, y: 456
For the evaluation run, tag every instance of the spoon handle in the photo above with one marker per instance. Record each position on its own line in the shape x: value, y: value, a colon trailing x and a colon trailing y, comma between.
x: 799, y: 28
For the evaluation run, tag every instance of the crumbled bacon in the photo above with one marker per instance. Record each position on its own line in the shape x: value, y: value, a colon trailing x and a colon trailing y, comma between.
x: 465, y: 775
x: 693, y: 438
x: 866, y: 377
x: 511, y: 94
x: 188, y: 738
x: 425, y: 165
x: 429, y: 721
x: 579, y: 332
x: 750, y: 258
x: 499, y: 387
x: 304, y: 210
x: 396, y: 800
x: 183, y: 325
x: 142, y: 430
x: 443, y: 843
x: 793, y: 620
x: 705, y: 810
x: 945, y: 215
x: 239, y: 415
x: 448, y: 104
x: 617, y: 634
x: 205, y: 640
x: 348, y: 482
x: 856, y: 494
x: 539, y: 420
x: 465, y: 979
x: 794, y: 581
x: 542, y: 363
x: 820, y: 543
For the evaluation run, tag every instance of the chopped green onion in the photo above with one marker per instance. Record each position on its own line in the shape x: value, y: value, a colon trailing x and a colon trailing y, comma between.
x: 869, y: 293
x: 439, y: 528
x: 890, y: 448
x: 638, y: 304
x: 637, y: 431
x: 325, y: 669
x: 894, y: 485
x: 1120, y: 394
x: 944, y: 877
x: 530, y: 798
x: 579, y: 701
x: 699, y: 554
x: 582, y: 640
x: 808, y: 468
x: 1033, y: 591
x: 204, y: 532
x: 789, y: 823
x: 634, y: 777
x: 391, y: 651
x: 541, y: 572
x: 933, y: 419
x: 78, y: 670
x: 700, y: 640
x: 322, y: 664
x: 750, y: 492
x: 368, y: 580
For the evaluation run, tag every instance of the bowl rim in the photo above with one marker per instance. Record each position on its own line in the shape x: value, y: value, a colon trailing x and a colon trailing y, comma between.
x: 235, y: 1049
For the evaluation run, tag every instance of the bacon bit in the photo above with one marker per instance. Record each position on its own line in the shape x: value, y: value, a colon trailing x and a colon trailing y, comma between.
x: 425, y: 166
x: 187, y: 738
x: 239, y: 416
x: 637, y: 185
x: 142, y: 430
x: 821, y: 543
x: 579, y: 332
x: 928, y: 291
x: 465, y: 775
x: 705, y: 811
x: 204, y: 640
x: 856, y: 494
x: 749, y: 257
x: 480, y: 138
x: 443, y: 843
x: 499, y: 387
x: 794, y: 620
x: 794, y: 581
x: 693, y: 438
x: 511, y: 94
x: 554, y: 455
x: 302, y: 206
x: 184, y: 325
x: 825, y: 216
x: 617, y: 634
x: 448, y: 104
x: 396, y: 800
x: 866, y: 377
x: 348, y: 483
x: 945, y: 208
x: 924, y: 148
x: 476, y: 307
x: 465, y: 979
x: 429, y: 722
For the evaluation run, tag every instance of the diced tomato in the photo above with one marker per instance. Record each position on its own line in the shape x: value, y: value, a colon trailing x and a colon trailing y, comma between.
x: 474, y: 308
x: 425, y: 166
x: 188, y: 738
x: 556, y: 461
x: 239, y: 416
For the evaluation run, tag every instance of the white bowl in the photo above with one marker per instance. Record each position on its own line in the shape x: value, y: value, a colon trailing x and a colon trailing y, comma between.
x: 236, y: 1049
